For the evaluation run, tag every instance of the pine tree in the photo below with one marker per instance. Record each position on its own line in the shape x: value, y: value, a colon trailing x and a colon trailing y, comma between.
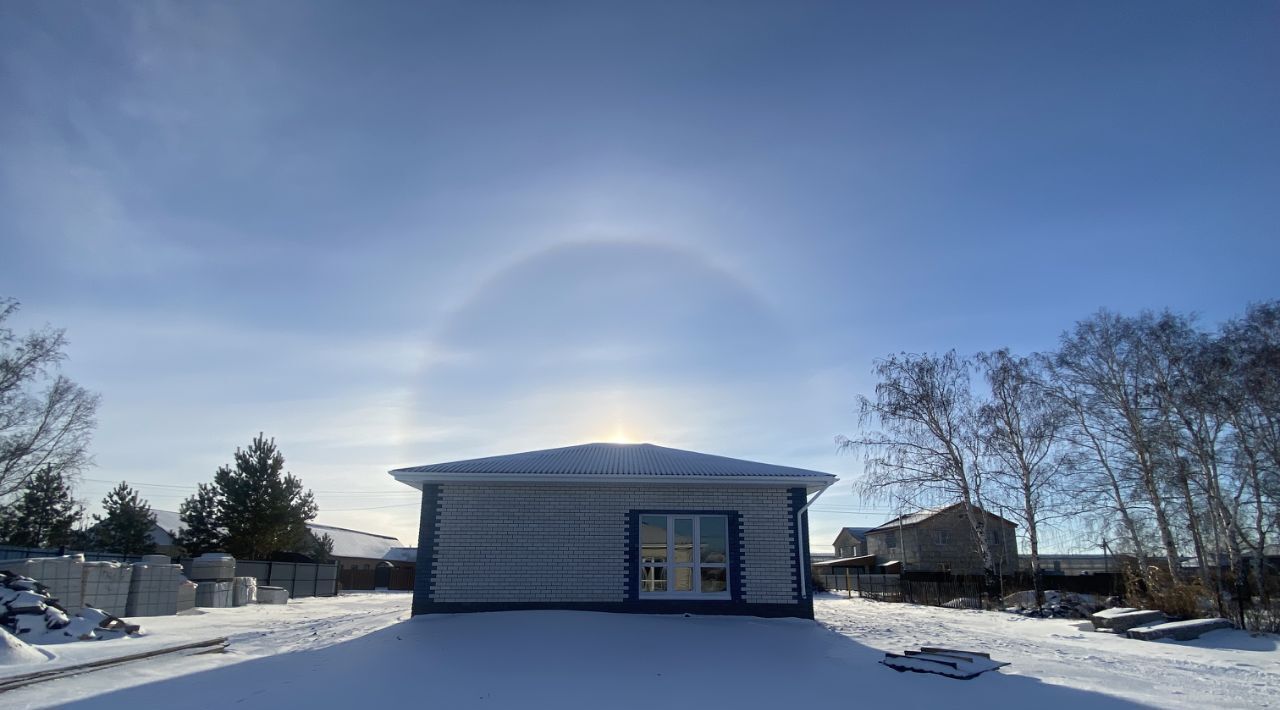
x: 199, y: 514
x: 8, y: 523
x: 262, y: 508
x: 45, y: 513
x: 320, y: 547
x: 127, y: 525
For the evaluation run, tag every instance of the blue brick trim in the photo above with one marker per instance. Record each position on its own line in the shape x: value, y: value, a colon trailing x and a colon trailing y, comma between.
x: 800, y: 541
x: 737, y: 566
x: 428, y: 543
x: 672, y: 606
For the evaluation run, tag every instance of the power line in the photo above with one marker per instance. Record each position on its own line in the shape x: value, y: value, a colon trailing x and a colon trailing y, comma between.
x: 192, y: 489
x: 375, y: 507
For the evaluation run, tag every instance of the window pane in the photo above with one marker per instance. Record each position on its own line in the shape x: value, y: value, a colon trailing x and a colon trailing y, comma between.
x: 653, y: 538
x: 714, y: 539
x: 684, y: 540
x: 714, y: 579
x: 684, y: 579
x: 653, y: 579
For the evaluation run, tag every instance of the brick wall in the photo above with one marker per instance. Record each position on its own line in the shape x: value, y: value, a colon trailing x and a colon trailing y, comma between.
x: 919, y: 546
x: 517, y: 543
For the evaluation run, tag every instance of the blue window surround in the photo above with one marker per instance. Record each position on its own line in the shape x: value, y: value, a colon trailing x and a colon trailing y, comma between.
x: 632, y: 557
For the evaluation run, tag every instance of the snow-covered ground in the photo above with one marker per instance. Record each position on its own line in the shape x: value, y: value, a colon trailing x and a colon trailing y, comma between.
x: 1222, y: 669
x: 363, y: 650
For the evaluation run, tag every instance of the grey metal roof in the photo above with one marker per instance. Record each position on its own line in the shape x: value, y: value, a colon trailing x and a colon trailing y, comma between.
x: 922, y: 515
x: 640, y: 460
x: 859, y: 533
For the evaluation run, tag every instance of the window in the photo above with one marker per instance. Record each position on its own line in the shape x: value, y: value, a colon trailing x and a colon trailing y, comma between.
x: 891, y: 540
x: 684, y: 555
x: 942, y: 537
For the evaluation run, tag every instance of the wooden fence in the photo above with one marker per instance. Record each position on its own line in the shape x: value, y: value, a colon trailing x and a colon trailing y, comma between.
x: 397, y: 578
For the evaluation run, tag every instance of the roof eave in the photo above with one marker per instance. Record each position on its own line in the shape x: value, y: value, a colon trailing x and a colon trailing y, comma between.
x: 418, y: 478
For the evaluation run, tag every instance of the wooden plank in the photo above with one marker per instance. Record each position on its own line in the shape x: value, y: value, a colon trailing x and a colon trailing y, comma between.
x: 954, y: 665
x: 935, y: 649
x: 217, y: 645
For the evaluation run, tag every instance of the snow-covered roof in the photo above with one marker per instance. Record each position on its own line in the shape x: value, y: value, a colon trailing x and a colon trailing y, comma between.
x: 168, y: 521
x: 860, y: 561
x: 401, y: 554
x: 346, y: 542
x: 613, y: 463
x: 354, y: 543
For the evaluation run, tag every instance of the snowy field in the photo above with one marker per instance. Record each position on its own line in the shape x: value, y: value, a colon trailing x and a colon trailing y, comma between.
x: 362, y: 649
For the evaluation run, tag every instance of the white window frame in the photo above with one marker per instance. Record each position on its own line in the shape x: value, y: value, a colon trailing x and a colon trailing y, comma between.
x: 696, y: 565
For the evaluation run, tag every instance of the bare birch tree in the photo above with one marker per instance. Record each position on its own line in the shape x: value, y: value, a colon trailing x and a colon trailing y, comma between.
x: 1021, y: 426
x: 46, y: 420
x: 926, y: 446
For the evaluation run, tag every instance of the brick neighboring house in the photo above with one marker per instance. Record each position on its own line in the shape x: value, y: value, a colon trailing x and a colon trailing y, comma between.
x: 941, y: 540
x: 614, y: 527
x: 851, y: 542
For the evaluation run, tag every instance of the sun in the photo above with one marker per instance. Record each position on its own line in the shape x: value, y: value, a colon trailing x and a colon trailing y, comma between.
x: 620, y: 436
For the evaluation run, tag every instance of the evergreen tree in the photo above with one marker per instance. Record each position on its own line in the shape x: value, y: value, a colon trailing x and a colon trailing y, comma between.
x: 320, y: 547
x: 199, y: 514
x: 8, y: 523
x: 45, y: 512
x: 262, y: 508
x: 127, y: 525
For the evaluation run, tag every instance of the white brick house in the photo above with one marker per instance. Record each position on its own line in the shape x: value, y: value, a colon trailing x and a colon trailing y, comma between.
x: 614, y: 527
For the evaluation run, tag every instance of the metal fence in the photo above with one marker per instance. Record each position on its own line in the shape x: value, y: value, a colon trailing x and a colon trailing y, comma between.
x: 14, y: 552
x: 302, y: 579
x: 956, y: 591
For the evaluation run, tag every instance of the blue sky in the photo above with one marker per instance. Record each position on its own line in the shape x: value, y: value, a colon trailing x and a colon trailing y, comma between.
x: 396, y: 233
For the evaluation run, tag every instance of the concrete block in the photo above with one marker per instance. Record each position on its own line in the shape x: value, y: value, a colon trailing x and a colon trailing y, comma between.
x: 1179, y: 630
x: 106, y: 586
x: 153, y: 590
x: 62, y: 575
x: 186, y: 595
x: 245, y: 591
x: 273, y: 595
x: 213, y: 595
x: 1125, y: 619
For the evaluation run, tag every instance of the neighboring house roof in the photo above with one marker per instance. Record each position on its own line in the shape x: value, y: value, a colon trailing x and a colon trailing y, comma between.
x: 613, y: 463
x: 860, y: 561
x: 859, y: 534
x: 401, y: 554
x: 346, y: 542
x: 920, y: 516
x: 354, y: 543
x: 168, y: 521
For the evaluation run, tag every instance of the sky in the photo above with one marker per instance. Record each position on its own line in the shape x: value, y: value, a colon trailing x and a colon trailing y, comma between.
x: 395, y: 233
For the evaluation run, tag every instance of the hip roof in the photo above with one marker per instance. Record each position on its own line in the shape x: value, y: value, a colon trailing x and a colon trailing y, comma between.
x: 613, y: 463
